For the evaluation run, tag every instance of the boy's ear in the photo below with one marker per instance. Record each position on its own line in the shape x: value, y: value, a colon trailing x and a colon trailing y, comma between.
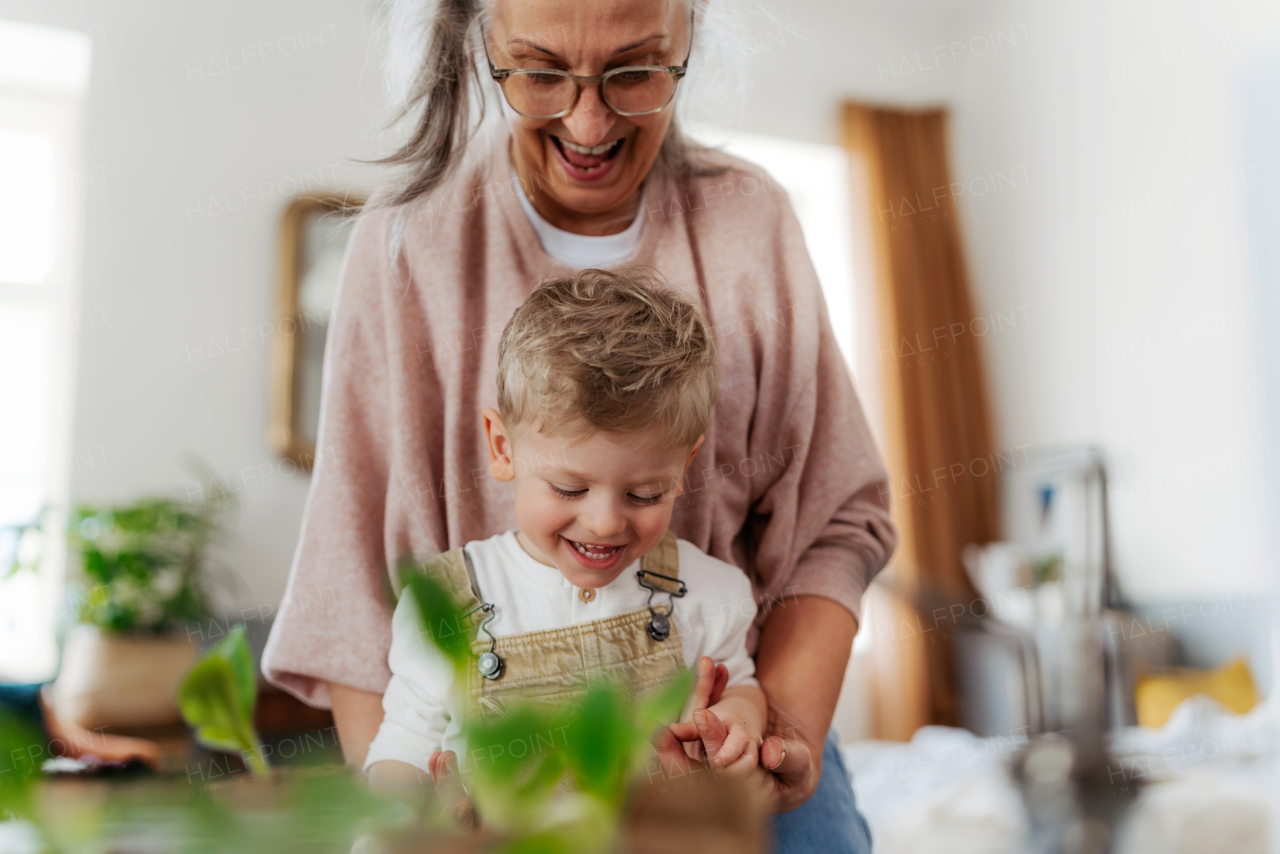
x: 501, y: 464
x: 693, y: 453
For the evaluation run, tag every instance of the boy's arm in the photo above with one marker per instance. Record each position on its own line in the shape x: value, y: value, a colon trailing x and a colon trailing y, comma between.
x: 416, y: 702
x: 403, y: 782
x: 391, y: 776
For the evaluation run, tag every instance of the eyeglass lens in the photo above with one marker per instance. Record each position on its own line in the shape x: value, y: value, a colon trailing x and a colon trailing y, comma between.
x: 542, y: 95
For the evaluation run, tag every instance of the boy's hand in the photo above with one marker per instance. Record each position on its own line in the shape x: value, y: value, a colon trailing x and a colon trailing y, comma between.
x: 729, y: 738
x: 443, y: 766
x: 712, y: 679
x: 707, y: 691
x: 678, y: 743
x: 727, y: 725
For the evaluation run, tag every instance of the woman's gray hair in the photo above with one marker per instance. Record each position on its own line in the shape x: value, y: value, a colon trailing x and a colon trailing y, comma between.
x: 434, y: 62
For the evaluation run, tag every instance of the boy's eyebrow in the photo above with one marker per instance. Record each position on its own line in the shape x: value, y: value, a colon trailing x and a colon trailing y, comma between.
x: 551, y: 470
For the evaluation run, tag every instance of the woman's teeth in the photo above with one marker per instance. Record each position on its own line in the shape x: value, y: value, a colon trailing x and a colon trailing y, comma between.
x: 589, y: 149
x: 595, y: 552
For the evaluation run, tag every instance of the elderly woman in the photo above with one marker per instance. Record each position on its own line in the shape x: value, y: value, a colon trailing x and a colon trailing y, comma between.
x: 587, y: 169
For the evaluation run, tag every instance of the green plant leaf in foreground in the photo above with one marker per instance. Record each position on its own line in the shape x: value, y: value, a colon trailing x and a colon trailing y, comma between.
x: 519, y: 759
x: 666, y: 704
x: 21, y: 745
x: 442, y: 620
x: 217, y: 697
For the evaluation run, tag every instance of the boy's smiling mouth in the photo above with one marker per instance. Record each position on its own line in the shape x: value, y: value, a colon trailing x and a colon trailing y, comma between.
x: 594, y: 555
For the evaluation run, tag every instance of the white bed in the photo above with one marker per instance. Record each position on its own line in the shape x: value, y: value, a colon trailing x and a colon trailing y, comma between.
x: 1209, y: 781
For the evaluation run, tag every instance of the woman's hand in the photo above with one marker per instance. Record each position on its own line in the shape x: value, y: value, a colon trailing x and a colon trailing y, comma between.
x: 784, y: 773
x: 78, y: 743
x: 803, y: 654
x: 793, y: 769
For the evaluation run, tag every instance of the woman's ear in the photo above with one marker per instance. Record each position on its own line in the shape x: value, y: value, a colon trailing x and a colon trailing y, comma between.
x: 501, y: 457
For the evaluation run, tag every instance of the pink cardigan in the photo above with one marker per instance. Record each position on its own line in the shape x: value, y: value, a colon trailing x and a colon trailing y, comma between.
x: 786, y: 486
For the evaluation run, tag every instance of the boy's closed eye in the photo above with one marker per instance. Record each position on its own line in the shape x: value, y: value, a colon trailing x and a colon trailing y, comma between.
x: 636, y: 499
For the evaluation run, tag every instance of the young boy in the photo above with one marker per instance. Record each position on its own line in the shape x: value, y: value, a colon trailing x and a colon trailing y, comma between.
x: 605, y: 386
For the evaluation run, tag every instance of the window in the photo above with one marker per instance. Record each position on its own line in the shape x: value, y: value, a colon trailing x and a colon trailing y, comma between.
x: 43, y: 76
x: 816, y: 178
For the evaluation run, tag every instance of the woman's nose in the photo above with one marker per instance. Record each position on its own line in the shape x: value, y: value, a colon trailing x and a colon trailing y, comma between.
x: 591, y: 119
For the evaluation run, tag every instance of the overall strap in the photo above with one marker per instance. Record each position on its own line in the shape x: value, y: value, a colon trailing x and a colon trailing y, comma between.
x: 454, y: 570
x: 663, y: 559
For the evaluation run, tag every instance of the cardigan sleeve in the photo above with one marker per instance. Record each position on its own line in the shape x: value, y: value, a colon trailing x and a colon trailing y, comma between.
x: 334, y: 623
x: 821, y: 527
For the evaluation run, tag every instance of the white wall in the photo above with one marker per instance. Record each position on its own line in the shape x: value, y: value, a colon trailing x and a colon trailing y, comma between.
x: 195, y: 109
x: 1056, y: 92
x: 1130, y: 246
x: 1121, y: 241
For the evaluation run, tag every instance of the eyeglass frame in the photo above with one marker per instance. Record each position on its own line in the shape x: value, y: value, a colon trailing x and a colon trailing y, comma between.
x: 500, y: 75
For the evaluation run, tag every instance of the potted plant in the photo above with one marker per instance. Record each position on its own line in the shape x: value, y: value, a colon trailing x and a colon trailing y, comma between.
x: 142, y: 581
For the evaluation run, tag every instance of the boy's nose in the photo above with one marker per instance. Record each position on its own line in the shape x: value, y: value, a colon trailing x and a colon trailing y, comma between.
x: 603, y: 520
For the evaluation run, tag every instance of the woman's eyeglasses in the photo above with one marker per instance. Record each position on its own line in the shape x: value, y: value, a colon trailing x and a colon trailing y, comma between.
x: 549, y: 93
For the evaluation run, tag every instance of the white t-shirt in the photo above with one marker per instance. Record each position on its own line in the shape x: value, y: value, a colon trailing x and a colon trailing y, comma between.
x: 420, y: 709
x: 580, y: 250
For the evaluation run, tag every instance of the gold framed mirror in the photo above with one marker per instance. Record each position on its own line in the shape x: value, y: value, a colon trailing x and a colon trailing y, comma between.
x: 313, y: 240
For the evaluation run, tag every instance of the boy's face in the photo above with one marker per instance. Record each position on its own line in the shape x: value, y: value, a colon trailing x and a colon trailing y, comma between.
x: 588, y: 505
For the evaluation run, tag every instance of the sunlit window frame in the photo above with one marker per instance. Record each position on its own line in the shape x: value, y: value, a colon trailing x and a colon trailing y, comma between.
x: 55, y: 109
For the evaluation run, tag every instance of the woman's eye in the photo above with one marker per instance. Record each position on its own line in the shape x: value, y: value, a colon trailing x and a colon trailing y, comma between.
x: 544, y: 80
x: 633, y: 77
x: 567, y: 493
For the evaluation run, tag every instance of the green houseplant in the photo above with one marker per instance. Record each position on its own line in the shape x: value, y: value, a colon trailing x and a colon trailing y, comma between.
x: 140, y: 580
x: 143, y: 564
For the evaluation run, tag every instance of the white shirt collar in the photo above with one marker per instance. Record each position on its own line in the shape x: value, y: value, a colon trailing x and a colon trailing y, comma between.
x: 580, y: 250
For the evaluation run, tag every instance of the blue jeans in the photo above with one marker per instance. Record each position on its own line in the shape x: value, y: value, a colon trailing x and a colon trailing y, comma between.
x: 829, y: 822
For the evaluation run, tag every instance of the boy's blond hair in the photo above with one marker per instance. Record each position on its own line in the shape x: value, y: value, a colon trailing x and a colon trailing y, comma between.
x: 617, y: 351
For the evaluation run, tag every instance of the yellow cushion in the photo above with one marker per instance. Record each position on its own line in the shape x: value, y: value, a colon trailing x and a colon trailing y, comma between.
x: 1158, y: 695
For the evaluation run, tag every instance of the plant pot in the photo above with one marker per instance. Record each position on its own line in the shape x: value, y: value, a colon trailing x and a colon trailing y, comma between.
x: 121, y: 681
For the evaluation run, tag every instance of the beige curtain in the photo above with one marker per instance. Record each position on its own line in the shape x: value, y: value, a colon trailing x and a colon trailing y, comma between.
x: 938, y: 432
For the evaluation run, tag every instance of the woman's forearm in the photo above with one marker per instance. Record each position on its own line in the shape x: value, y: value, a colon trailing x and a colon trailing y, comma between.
x: 800, y: 663
x: 357, y: 714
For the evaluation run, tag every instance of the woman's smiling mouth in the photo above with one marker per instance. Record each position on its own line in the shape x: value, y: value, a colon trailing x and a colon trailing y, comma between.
x: 587, y: 162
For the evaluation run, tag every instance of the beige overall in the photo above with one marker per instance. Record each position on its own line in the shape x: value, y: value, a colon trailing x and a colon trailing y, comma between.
x: 555, y: 666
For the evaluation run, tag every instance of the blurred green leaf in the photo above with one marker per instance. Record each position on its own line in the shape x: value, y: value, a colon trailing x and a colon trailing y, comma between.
x: 599, y: 742
x: 208, y: 827
x: 441, y: 615
x: 334, y: 806
x: 517, y: 739
x: 546, y: 774
x: 217, y: 697
x: 664, y: 706
x: 541, y: 843
x: 22, y: 747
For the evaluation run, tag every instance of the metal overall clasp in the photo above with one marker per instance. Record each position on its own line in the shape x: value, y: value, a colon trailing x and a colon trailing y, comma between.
x: 490, y: 664
x: 659, y: 622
